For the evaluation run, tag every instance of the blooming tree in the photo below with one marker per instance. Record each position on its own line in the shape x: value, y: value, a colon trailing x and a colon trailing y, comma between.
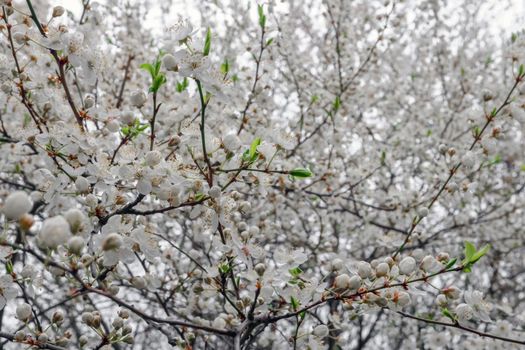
x: 314, y: 174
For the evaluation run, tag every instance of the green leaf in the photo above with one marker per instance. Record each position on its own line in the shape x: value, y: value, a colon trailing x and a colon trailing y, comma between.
x: 269, y: 41
x: 183, y: 85
x: 295, y: 272
x: 448, y: 314
x: 451, y: 263
x: 148, y: 67
x: 207, y: 43
x: 383, y: 157
x: 253, y: 147
x: 337, y: 104
x: 157, y: 83
x: 480, y: 253
x: 225, y: 67
x: 521, y: 70
x: 262, y: 17
x: 470, y: 250
x: 300, y: 172
x: 295, y: 303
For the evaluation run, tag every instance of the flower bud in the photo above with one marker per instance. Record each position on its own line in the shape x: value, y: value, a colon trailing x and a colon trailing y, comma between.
x: 153, y: 158
x: 87, y: 318
x: 23, y: 312
x: 169, y: 62
x: 382, y: 269
x: 83, y: 340
x: 123, y: 313
x: 58, y: 11
x: 337, y: 264
x: 113, y: 241
x: 139, y: 282
x: 89, y: 101
x: 55, y: 231
x: 214, y: 192
x: 321, y: 331
x: 17, y: 204
x: 342, y: 282
x: 58, y: 317
x: 422, y: 212
x: 75, y: 245
x: 364, y: 270
x: 403, y: 299
x: 43, y: 338
x: 118, y: 323
x: 138, y: 98
x: 407, y: 265
x: 20, y: 336
x: 441, y: 300
x: 451, y: 292
x: 82, y: 184
x: 260, y: 268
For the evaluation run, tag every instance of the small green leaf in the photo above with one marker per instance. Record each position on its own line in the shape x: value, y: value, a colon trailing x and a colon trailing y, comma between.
x: 148, y: 67
x: 480, y: 253
x: 451, y: 263
x: 521, y: 70
x: 269, y: 41
x: 253, y: 147
x: 470, y: 250
x: 225, y: 67
x: 183, y: 85
x: 383, y: 157
x: 300, y: 172
x: 295, y: 272
x: 295, y: 303
x: 337, y: 104
x: 262, y: 17
x: 207, y: 43
x: 448, y: 314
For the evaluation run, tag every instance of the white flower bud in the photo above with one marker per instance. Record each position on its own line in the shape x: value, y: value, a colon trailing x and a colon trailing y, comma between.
x: 113, y: 241
x: 58, y: 11
x: 219, y: 323
x: 429, y: 264
x: 382, y: 269
x: 87, y: 318
x: 214, y: 192
x: 75, y: 245
x: 321, y: 331
x: 452, y: 292
x: 123, y: 313
x: 23, y: 312
x: 403, y: 299
x: 82, y: 184
x: 43, y: 338
x: 20, y: 336
x: 354, y: 283
x: 169, y: 62
x: 441, y: 300
x: 464, y: 312
x: 422, y: 212
x: 139, y: 282
x: 260, y: 268
x: 118, y: 323
x: 342, y: 282
x: 58, y: 317
x: 138, y: 98
x: 6, y: 87
x: 407, y: 265
x: 364, y: 270
x: 89, y: 101
x: 55, y: 231
x: 153, y: 158
x: 75, y: 218
x: 16, y: 205
x: 337, y: 264
x: 83, y: 340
